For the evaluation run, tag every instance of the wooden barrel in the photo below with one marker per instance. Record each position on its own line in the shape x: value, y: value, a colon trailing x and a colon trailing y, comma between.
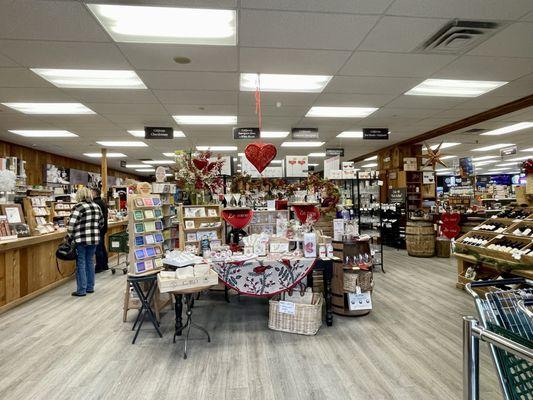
x: 420, y: 238
x: 443, y: 248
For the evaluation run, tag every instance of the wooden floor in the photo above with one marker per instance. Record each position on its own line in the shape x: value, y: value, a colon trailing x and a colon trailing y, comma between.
x: 409, y: 347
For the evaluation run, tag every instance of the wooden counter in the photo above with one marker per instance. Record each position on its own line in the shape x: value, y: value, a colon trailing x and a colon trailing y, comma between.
x: 28, y: 266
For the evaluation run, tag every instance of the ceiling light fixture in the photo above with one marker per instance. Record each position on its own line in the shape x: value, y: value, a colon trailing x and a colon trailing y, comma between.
x: 140, y: 134
x: 108, y: 155
x: 445, y: 145
x: 145, y: 170
x: 284, y: 83
x: 493, y: 147
x: 371, y: 158
x: 509, y: 129
x: 43, y: 133
x: 312, y: 165
x: 453, y: 88
x: 302, y: 144
x: 137, y: 165
x: 351, y: 135
x: 369, y: 165
x: 447, y: 157
x: 316, y: 155
x: 481, y: 158
x: 216, y: 148
x: 479, y: 163
x: 528, y: 149
x: 122, y: 143
x: 276, y: 162
x: 159, y: 162
x: 506, y: 164
x: 523, y: 158
x: 91, y: 78
x: 205, y: 119
x: 340, y: 112
x: 169, y: 154
x: 50, y: 108
x: 273, y: 134
x: 142, y: 24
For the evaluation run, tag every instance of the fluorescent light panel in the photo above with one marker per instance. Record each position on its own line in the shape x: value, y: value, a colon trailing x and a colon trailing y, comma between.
x: 122, y: 143
x: 528, y: 149
x: 145, y: 170
x: 493, y: 147
x: 43, y: 133
x: 487, y: 162
x: 91, y: 78
x: 316, y: 155
x: 509, y: 129
x: 506, y: 164
x: 169, y: 154
x: 351, y: 135
x: 302, y: 144
x: 369, y: 165
x: 109, y: 155
x: 453, y: 88
x: 140, y: 134
x: 340, y: 112
x: 372, y: 158
x: 520, y: 158
x: 205, y: 119
x: 274, y: 134
x: 312, y: 164
x: 50, y: 108
x: 141, y: 24
x: 137, y: 165
x: 276, y: 162
x: 481, y: 158
x: 159, y: 162
x: 216, y: 148
x: 445, y: 145
x: 447, y: 157
x: 284, y: 83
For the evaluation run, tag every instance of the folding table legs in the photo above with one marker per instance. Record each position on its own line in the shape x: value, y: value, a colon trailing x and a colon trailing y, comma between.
x: 145, y: 309
x: 189, y: 303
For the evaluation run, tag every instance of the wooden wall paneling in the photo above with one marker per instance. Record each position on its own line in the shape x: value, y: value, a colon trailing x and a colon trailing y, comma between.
x: 3, y: 266
x: 12, y: 275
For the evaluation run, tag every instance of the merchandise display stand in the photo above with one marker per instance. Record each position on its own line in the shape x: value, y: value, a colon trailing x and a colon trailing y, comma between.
x: 197, y: 221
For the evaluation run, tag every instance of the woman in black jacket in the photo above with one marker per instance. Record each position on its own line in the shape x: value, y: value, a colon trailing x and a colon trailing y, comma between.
x: 101, y: 251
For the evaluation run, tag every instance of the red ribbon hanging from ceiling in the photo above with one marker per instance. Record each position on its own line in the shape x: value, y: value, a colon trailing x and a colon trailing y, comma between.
x: 258, y: 104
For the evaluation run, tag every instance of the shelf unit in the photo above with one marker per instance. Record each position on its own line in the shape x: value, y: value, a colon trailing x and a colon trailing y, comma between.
x: 37, y: 213
x: 198, y: 214
x: 60, y: 210
x: 266, y: 221
x: 166, y: 192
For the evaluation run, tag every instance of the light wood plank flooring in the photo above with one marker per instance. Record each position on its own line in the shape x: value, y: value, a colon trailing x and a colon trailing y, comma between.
x: 409, y: 347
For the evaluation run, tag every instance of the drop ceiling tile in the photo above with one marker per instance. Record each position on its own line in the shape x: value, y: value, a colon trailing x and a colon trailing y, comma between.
x: 49, y: 20
x: 394, y: 64
x: 22, y: 78
x: 161, y: 57
x: 354, y: 100
x: 278, y: 122
x: 528, y: 17
x: 370, y: 85
x: 126, y: 121
x: 513, y: 41
x: 83, y: 121
x: 123, y: 108
x: 400, y: 34
x: 6, y: 62
x: 285, y: 61
x: 25, y: 95
x: 190, y: 80
x: 40, y: 54
x: 331, y: 6
x: 199, y: 97
x: 487, y: 68
x: 439, y: 103
x: 303, y: 30
x: 284, y: 111
x: 286, y: 99
x: 518, y: 88
x: 476, y: 9
x: 112, y: 96
x: 215, y: 109
x: 391, y: 112
x: 485, y: 102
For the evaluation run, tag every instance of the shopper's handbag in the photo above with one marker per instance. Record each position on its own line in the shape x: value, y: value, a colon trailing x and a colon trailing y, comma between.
x: 66, y: 250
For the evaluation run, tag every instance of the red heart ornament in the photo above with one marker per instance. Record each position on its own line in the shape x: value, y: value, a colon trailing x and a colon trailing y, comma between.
x: 260, y: 154
x: 238, y: 219
x: 200, y: 164
x: 450, y: 231
x: 450, y: 219
x: 306, y: 212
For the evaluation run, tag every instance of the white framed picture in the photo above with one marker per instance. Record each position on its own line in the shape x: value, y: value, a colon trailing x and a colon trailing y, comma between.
x: 191, y: 237
x: 189, y: 224
x: 211, y: 212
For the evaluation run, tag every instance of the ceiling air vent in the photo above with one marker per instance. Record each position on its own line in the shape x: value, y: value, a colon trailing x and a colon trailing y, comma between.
x: 458, y: 36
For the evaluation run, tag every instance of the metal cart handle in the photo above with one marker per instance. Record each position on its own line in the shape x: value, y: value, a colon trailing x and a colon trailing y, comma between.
x: 498, y: 282
x: 523, y: 306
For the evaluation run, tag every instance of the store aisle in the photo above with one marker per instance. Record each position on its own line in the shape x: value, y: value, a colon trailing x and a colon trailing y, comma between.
x: 409, y: 347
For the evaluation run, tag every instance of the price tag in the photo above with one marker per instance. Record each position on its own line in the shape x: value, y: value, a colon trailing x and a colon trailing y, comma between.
x: 287, y: 307
x: 115, y: 244
x: 361, y: 301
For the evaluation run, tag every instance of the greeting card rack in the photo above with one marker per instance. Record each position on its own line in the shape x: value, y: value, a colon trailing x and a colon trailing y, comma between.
x: 197, y: 222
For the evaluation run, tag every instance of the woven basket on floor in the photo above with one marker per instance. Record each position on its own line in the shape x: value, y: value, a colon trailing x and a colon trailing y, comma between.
x: 361, y: 278
x: 305, y: 321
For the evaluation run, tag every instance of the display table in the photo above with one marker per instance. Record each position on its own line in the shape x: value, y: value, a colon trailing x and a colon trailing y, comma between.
x: 28, y: 266
x: 263, y: 277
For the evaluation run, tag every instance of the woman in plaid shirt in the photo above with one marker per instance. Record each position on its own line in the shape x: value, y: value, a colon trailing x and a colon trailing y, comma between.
x: 84, y: 229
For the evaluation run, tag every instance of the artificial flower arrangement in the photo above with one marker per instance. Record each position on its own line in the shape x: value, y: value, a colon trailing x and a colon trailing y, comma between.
x: 197, y: 171
x: 527, y: 166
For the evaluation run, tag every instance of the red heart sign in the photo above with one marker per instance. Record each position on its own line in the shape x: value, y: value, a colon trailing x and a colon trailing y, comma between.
x: 450, y: 219
x: 450, y: 231
x: 260, y: 154
x: 306, y: 212
x: 200, y: 164
x: 237, y: 218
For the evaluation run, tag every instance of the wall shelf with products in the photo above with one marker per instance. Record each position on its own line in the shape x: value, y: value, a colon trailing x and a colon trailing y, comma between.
x: 199, y: 221
x: 166, y: 192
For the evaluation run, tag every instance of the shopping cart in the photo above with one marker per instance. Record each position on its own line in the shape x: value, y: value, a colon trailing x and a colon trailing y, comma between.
x: 506, y: 325
x: 118, y: 243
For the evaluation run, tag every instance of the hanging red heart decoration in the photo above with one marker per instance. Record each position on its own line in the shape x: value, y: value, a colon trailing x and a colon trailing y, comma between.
x: 260, y: 154
x: 200, y: 163
x: 306, y: 213
x: 238, y: 219
x: 450, y: 219
x: 451, y: 231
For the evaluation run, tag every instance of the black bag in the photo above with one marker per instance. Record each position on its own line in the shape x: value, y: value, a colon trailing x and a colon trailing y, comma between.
x: 66, y: 250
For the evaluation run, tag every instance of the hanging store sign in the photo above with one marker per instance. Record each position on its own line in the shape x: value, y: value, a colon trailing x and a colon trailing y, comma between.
x: 334, y: 152
x: 508, y: 151
x: 158, y: 132
x: 304, y: 133
x: 376, y: 133
x: 246, y: 133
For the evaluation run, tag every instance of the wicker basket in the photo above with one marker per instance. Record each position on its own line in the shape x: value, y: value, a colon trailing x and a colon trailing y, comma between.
x: 305, y: 321
x: 363, y: 279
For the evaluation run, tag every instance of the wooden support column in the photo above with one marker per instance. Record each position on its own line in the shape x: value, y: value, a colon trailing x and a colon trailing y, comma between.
x: 104, y: 174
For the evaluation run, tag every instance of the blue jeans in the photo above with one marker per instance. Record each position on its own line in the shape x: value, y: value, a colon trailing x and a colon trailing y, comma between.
x: 85, y: 267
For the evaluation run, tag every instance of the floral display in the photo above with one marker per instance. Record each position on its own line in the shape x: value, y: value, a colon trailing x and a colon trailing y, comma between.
x: 7, y: 181
x: 197, y: 171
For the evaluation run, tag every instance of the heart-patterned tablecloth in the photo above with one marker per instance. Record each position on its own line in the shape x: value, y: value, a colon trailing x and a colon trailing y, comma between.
x: 263, y: 277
